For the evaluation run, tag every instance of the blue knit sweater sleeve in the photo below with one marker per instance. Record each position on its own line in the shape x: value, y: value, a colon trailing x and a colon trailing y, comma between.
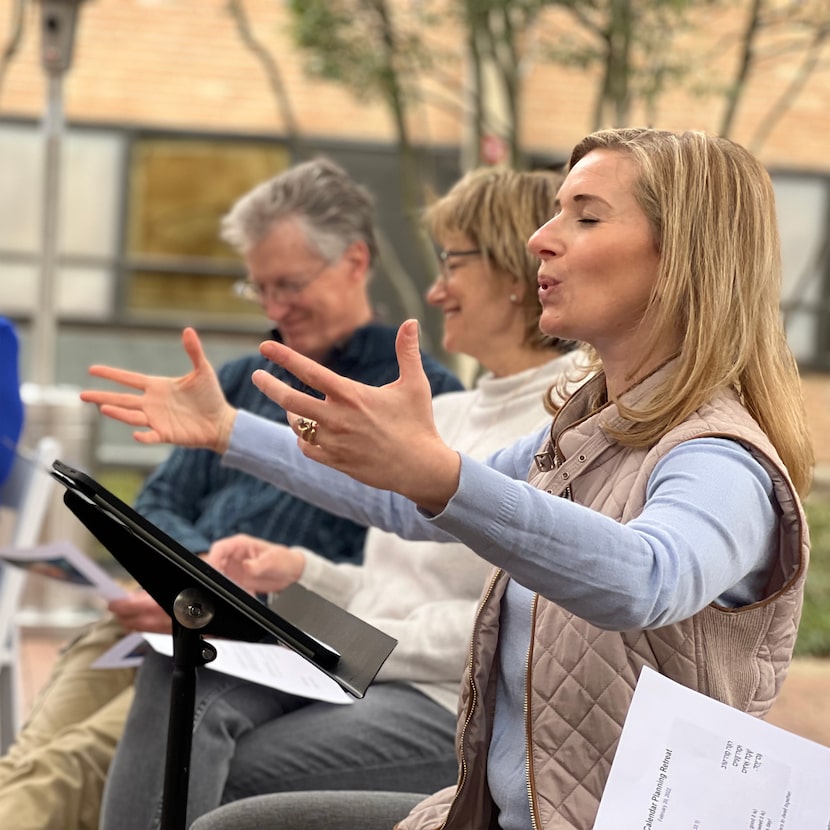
x: 707, y: 531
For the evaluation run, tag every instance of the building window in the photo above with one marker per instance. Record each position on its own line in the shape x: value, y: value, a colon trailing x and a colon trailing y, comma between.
x: 88, y: 220
x: 803, y: 204
x: 179, y: 188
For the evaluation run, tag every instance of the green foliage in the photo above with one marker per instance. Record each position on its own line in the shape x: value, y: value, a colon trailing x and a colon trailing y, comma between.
x: 634, y: 45
x: 358, y: 43
x: 814, y: 633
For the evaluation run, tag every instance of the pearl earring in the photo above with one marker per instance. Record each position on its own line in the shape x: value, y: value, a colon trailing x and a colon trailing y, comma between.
x: 514, y: 298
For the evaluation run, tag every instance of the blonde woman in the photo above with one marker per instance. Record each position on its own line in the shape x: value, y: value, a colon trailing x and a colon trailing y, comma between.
x: 657, y: 521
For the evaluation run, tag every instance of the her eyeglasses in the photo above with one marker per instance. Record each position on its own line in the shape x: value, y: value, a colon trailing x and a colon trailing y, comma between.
x: 279, y: 291
x: 444, y: 257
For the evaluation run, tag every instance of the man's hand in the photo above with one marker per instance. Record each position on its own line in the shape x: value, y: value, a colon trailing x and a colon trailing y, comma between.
x: 140, y: 612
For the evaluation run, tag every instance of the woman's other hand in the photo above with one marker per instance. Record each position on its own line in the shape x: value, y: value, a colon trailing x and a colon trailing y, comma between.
x: 384, y: 437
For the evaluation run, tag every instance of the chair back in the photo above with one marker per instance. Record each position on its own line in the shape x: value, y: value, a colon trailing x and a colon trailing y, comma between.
x: 27, y: 491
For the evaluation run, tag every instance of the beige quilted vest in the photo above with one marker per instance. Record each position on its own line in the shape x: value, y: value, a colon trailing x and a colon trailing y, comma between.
x: 581, y: 678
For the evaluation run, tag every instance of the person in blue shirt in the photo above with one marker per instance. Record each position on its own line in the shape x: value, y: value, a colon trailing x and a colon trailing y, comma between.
x: 308, y: 240
x: 11, y: 404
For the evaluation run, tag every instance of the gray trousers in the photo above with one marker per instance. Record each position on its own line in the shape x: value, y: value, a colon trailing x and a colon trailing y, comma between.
x: 249, y: 740
x: 312, y: 811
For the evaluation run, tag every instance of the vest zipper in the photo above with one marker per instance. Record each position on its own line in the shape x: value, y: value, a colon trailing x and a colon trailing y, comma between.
x: 558, y: 461
x: 473, y: 701
x: 531, y: 790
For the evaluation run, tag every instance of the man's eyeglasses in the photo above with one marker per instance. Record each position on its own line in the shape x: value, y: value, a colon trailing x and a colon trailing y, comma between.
x: 445, y: 258
x: 274, y: 292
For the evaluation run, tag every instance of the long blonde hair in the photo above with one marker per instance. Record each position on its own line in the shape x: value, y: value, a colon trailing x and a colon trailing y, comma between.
x: 712, y: 209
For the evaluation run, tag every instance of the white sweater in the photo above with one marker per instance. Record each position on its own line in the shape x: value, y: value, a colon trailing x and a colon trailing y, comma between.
x: 425, y: 594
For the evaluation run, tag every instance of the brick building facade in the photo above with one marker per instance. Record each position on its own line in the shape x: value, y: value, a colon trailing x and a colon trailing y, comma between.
x: 182, y: 64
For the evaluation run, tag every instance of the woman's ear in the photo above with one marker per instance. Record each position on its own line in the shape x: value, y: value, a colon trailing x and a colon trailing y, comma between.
x: 517, y: 291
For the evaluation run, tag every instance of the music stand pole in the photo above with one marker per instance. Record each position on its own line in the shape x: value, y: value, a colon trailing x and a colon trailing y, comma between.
x: 192, y: 610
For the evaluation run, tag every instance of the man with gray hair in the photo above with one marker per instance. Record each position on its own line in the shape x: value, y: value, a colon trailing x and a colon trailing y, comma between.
x: 307, y: 237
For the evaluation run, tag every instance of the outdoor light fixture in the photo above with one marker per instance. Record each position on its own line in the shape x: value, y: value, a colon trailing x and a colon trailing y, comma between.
x: 58, y: 19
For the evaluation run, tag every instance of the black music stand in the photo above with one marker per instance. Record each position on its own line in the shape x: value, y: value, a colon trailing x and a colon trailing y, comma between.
x: 200, y: 600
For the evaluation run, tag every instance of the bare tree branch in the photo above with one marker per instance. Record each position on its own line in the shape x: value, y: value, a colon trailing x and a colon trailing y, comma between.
x: 14, y: 39
x: 738, y: 86
x: 272, y: 74
x: 808, y: 65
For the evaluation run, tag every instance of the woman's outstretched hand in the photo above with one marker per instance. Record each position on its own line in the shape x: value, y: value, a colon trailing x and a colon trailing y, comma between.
x: 190, y: 410
x: 384, y: 437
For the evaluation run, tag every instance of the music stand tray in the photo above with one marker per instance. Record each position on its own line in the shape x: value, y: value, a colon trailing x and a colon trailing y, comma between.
x: 200, y: 600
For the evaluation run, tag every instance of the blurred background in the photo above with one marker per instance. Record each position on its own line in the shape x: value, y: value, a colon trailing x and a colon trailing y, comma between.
x: 128, y: 127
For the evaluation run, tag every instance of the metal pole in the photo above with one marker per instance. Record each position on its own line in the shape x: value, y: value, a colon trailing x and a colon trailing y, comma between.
x: 58, y: 21
x: 45, y: 319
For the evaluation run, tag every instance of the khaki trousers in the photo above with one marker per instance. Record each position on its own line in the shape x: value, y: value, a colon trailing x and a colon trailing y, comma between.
x: 52, y: 777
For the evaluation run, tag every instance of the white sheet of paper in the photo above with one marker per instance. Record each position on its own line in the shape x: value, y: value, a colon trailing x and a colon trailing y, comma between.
x: 64, y: 561
x: 269, y: 665
x: 688, y: 762
x: 127, y: 653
